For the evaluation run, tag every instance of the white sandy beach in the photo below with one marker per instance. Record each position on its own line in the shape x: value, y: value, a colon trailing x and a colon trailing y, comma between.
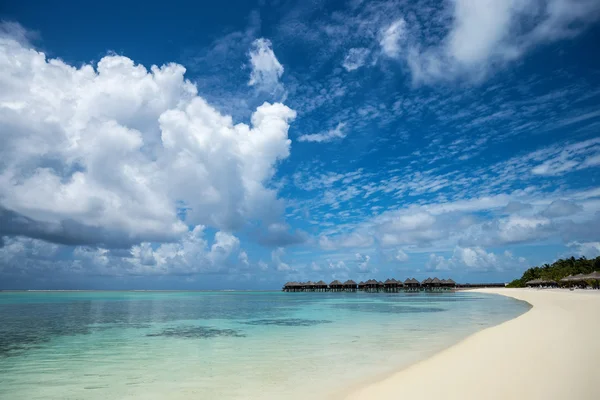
x: 550, y: 352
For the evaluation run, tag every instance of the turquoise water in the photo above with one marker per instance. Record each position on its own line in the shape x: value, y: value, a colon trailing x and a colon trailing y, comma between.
x: 224, y: 345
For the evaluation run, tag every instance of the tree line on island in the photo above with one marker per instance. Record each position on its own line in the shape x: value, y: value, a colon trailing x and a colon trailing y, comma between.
x: 558, y: 270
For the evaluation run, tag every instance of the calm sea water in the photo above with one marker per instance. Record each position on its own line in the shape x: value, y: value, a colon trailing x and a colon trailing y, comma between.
x: 224, y: 345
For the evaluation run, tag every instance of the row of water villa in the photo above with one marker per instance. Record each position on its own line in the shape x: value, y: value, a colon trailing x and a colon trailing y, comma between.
x: 372, y: 285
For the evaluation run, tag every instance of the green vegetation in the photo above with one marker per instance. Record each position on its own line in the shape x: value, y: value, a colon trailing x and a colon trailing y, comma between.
x: 558, y: 270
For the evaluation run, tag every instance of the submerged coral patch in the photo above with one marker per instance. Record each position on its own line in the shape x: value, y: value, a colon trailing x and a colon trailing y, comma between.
x: 288, y: 322
x: 197, y: 332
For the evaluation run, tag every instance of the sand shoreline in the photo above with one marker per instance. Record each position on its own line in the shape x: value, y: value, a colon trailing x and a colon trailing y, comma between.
x: 550, y: 352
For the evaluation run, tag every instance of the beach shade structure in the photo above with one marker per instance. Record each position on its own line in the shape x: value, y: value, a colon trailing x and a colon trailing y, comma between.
x: 565, y: 280
x: 541, y: 282
x: 350, y: 285
x: 336, y: 286
x: 578, y: 280
x: 593, y: 277
x: 533, y: 282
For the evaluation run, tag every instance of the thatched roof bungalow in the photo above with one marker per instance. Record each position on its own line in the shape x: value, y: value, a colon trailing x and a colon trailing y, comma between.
x: 541, y: 282
x: 336, y: 286
x: 350, y: 285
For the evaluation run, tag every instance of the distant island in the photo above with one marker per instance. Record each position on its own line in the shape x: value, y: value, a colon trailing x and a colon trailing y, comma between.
x: 558, y: 270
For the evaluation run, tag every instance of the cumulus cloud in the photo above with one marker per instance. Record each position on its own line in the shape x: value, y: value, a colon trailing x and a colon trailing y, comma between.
x: 278, y: 263
x: 280, y: 234
x: 265, y: 68
x: 243, y: 258
x: 561, y: 208
x: 586, y: 249
x: 333, y: 134
x: 339, y: 265
x: 401, y: 256
x: 486, y: 34
x: 356, y: 58
x: 116, y: 150
x: 474, y: 259
x: 191, y: 255
x: 362, y: 261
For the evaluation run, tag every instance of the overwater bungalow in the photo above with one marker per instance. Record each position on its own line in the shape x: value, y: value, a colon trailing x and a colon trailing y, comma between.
x: 320, y: 286
x: 426, y: 284
x: 436, y: 284
x: 391, y: 285
x: 371, y: 285
x: 411, y: 284
x: 336, y: 286
x: 292, y: 287
x: 350, y: 286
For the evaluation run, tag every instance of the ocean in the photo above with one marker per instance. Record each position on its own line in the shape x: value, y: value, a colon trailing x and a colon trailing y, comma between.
x: 225, y: 345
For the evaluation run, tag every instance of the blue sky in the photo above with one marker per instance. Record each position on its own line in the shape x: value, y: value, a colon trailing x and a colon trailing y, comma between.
x: 248, y: 144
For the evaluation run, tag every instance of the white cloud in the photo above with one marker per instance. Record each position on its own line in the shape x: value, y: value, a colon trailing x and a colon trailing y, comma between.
x: 559, y: 160
x: 486, y: 34
x: 363, y: 261
x: 401, y: 256
x: 392, y: 38
x: 356, y: 58
x: 266, y: 69
x: 474, y: 259
x: 352, y: 240
x: 243, y: 258
x: 436, y: 263
x: 263, y: 266
x: 586, y: 249
x: 333, y: 134
x: 190, y: 255
x: 561, y: 208
x: 339, y: 265
x: 116, y: 151
x: 277, y: 262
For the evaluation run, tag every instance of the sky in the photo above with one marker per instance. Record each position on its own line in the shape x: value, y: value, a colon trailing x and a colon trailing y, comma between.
x: 241, y: 145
